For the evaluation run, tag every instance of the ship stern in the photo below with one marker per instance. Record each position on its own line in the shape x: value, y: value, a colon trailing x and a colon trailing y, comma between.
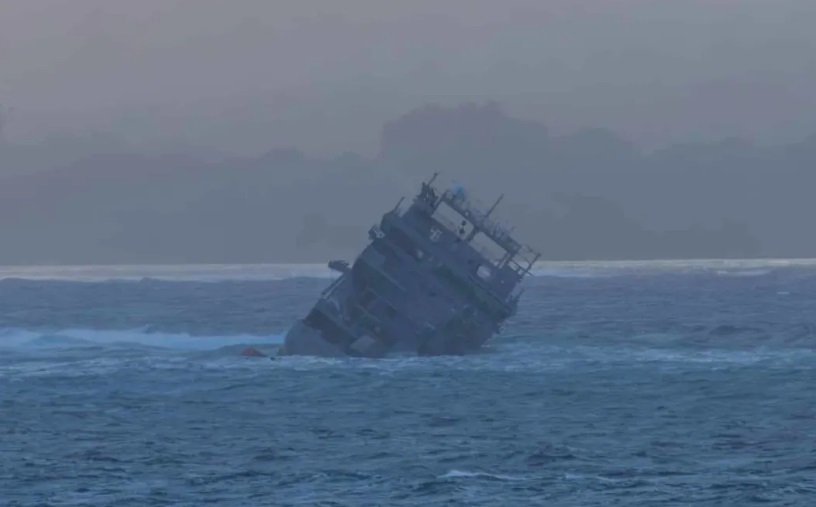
x: 303, y: 340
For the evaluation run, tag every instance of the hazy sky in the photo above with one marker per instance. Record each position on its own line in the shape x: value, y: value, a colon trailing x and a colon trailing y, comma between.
x: 325, y: 75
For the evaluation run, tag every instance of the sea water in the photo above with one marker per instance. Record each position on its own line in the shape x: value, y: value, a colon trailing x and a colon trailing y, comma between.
x: 673, y: 383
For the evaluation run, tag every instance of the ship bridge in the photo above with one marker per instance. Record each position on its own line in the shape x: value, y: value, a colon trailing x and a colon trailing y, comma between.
x: 471, y: 220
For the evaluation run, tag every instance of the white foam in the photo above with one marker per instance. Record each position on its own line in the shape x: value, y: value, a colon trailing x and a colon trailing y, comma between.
x: 463, y: 474
x: 70, y: 338
x: 723, y: 267
x: 745, y: 272
x: 181, y: 273
x: 260, y: 272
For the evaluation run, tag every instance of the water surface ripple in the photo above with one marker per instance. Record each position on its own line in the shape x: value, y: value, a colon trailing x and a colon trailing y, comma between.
x: 621, y: 387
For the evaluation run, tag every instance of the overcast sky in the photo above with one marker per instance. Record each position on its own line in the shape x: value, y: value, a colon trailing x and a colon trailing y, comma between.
x: 325, y: 75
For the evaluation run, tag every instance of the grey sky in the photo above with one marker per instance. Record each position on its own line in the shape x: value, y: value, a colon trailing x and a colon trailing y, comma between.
x: 325, y: 75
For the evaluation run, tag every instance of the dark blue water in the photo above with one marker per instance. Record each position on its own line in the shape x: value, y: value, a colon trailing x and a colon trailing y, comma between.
x: 611, y: 387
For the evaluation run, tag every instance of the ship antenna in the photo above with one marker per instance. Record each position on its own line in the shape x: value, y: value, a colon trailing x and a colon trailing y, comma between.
x: 433, y: 178
x: 494, y: 206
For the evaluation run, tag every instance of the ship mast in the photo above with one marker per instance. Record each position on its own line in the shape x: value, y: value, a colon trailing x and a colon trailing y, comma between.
x: 492, y: 208
x: 483, y: 221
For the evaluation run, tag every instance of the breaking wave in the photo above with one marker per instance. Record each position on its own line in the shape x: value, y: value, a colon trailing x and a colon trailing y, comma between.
x: 176, y: 273
x: 31, y: 340
x: 464, y: 474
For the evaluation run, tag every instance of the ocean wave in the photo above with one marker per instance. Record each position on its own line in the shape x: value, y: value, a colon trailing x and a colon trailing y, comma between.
x: 267, y: 272
x: 744, y: 272
x: 464, y: 474
x: 568, y: 273
x: 27, y: 339
x: 175, y: 273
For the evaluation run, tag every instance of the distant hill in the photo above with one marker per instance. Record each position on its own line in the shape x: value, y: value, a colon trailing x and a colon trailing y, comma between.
x: 587, y: 195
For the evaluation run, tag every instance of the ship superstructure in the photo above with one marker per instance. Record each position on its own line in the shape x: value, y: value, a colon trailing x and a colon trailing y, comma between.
x: 439, y: 277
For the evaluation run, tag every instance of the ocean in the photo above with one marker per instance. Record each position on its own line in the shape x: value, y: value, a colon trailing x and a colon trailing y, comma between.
x: 632, y: 383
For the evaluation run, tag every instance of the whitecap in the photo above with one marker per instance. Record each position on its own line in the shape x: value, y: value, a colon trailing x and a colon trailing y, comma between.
x: 463, y: 474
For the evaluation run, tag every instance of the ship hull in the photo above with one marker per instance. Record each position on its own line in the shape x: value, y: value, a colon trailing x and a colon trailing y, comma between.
x: 302, y: 340
x: 436, y: 279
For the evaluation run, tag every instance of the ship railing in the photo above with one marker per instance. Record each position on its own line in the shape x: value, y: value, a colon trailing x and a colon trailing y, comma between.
x: 471, y: 287
x: 490, y: 255
x: 494, y: 257
x: 524, y: 260
x: 474, y: 210
x: 465, y: 205
x: 527, y: 255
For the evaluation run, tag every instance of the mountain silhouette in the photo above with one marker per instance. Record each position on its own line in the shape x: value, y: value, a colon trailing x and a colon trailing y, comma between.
x: 589, y: 194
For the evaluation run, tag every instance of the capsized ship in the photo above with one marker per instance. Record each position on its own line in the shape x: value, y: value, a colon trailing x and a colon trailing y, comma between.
x: 437, y: 278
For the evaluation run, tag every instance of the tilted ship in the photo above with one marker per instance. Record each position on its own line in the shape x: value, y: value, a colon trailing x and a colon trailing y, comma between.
x: 438, y: 278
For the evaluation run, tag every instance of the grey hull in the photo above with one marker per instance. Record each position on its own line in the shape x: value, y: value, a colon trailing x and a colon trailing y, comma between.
x: 303, y: 340
x: 437, y: 278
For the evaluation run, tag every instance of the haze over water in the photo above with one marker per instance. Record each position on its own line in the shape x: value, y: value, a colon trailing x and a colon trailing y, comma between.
x: 179, y: 131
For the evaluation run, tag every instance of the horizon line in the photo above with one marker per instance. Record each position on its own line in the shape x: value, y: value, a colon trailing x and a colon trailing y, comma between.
x: 325, y: 264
